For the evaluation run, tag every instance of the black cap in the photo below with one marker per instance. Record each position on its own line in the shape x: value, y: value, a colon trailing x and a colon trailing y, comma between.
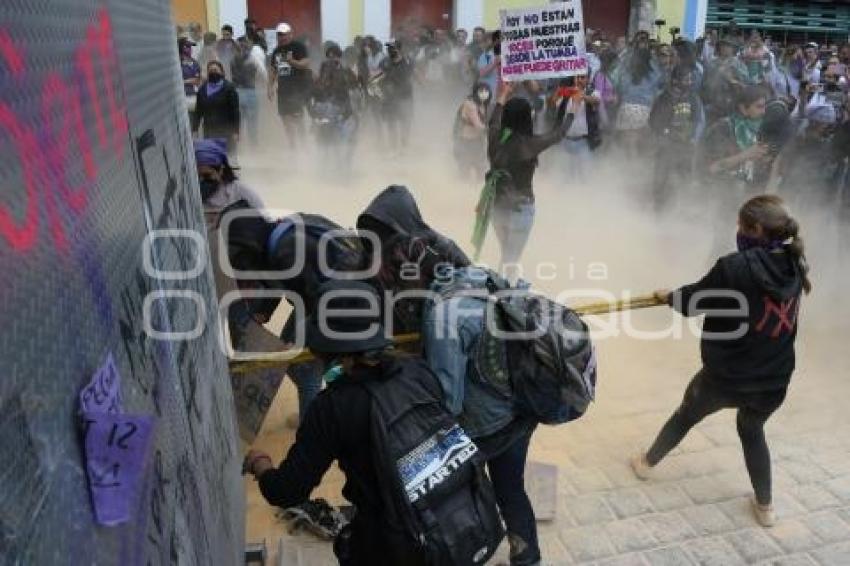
x: 332, y: 330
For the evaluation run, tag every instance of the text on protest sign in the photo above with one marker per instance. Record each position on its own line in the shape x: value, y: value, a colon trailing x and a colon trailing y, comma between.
x: 543, y: 43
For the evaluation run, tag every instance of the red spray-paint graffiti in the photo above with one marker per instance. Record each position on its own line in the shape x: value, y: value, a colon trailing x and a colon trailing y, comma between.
x: 43, y: 154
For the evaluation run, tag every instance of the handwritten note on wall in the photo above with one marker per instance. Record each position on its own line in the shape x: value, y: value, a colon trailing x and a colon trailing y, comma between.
x: 116, y: 446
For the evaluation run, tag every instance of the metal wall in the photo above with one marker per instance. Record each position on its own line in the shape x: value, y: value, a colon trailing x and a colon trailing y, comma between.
x: 95, y: 155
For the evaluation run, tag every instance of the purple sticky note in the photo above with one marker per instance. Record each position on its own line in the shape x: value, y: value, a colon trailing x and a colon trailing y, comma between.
x: 103, y: 393
x: 116, y: 450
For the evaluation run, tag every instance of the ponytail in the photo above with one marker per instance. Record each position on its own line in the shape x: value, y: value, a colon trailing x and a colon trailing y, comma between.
x: 797, y: 249
x: 770, y: 212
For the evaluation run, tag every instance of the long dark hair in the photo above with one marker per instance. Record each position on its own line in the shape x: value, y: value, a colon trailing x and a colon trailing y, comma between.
x: 517, y: 117
x: 770, y: 212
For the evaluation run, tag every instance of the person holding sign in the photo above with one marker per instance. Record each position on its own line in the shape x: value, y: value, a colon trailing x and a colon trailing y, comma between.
x: 513, y: 150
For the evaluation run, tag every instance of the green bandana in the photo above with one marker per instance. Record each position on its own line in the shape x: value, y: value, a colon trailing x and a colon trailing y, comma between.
x: 745, y: 129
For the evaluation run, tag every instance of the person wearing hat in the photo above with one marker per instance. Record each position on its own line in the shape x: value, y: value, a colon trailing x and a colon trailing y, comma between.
x: 349, y: 337
x: 189, y: 66
x: 289, y: 77
x: 220, y: 187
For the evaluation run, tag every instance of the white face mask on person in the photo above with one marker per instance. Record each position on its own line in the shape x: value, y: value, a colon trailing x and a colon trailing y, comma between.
x: 483, y: 95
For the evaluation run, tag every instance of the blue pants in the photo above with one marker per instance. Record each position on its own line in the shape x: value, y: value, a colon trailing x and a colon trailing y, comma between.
x: 507, y: 472
x: 513, y: 226
x: 307, y: 376
x: 249, y: 112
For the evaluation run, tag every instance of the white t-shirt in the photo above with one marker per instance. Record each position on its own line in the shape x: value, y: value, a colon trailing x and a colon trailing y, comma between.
x: 579, y: 109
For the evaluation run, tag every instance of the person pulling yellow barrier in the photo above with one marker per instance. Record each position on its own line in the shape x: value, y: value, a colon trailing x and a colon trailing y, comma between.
x: 640, y: 302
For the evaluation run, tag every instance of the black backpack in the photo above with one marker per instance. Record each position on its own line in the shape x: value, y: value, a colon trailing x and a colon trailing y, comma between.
x: 550, y: 360
x: 434, y: 486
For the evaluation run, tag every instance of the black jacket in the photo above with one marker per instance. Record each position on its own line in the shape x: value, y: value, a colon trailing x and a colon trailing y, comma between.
x: 337, y: 427
x: 761, y: 355
x: 395, y: 212
x: 219, y: 113
x: 517, y: 155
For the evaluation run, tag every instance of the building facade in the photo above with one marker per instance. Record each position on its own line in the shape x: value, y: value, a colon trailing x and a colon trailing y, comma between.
x: 342, y: 20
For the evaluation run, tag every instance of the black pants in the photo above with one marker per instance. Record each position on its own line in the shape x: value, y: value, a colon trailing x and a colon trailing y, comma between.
x: 507, y: 472
x: 704, y: 397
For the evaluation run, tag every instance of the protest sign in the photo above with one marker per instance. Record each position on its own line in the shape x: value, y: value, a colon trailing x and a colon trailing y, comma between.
x: 543, y: 43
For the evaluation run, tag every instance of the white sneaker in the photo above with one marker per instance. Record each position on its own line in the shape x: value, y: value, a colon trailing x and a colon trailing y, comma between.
x: 641, y: 467
x: 764, y: 514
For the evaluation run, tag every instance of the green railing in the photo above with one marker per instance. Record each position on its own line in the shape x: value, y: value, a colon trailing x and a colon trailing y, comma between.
x: 812, y: 17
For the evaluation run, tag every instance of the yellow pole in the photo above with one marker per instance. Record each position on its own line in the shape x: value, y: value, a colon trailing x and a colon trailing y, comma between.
x: 640, y: 302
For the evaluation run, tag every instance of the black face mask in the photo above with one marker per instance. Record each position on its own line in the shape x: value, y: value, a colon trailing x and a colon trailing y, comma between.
x: 215, y: 77
x: 208, y: 188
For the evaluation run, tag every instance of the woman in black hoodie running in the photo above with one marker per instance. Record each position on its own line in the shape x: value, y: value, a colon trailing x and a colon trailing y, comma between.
x: 747, y: 359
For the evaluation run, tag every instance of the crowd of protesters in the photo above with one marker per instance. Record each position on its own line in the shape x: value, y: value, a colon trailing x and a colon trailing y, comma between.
x: 732, y: 108
x: 731, y: 114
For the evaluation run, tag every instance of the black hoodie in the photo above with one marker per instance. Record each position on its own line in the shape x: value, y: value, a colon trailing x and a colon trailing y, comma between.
x: 395, y: 212
x: 757, y: 351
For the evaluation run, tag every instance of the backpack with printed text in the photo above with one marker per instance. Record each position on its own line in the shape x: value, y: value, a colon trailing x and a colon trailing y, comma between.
x: 434, y: 488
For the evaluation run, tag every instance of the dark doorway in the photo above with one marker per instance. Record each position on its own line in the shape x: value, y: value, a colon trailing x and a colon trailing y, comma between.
x: 609, y: 16
x: 303, y: 15
x: 430, y: 13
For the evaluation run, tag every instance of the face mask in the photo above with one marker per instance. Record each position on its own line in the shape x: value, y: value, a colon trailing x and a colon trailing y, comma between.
x: 215, y: 77
x: 208, y: 188
x: 483, y: 95
x: 747, y: 242
x: 333, y: 373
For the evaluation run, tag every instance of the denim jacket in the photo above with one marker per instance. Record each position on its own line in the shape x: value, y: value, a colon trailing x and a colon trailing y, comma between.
x: 450, y: 332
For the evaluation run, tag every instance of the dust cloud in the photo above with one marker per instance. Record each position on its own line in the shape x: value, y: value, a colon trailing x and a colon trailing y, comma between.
x: 597, y: 233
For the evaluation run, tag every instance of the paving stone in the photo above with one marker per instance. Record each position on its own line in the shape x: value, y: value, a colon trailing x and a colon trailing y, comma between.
x: 833, y: 555
x: 790, y: 560
x: 705, y: 489
x: 628, y: 503
x: 620, y: 474
x: 587, y: 481
x: 787, y: 505
x: 585, y: 544
x: 828, y: 525
x: 630, y: 535
x: 668, y: 556
x: 713, y: 552
x: 793, y: 536
x: 667, y: 527
x: 814, y: 497
x: 845, y: 514
x: 739, y: 511
x: 707, y: 519
x: 666, y: 497
x: 753, y: 544
x: 805, y: 471
x: 624, y: 560
x: 590, y: 509
x: 552, y: 549
x: 839, y: 487
x: 834, y: 461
